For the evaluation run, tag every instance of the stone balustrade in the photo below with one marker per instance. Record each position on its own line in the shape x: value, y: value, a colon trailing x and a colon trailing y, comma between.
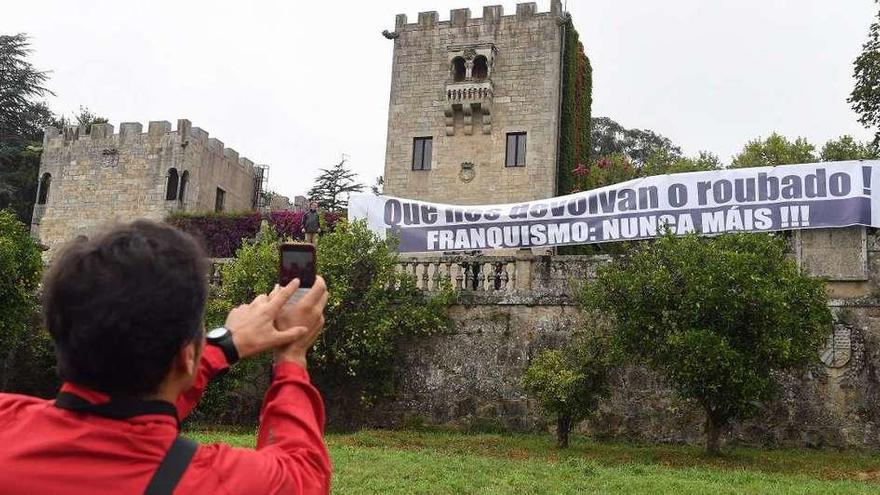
x: 469, y: 92
x: 480, y: 274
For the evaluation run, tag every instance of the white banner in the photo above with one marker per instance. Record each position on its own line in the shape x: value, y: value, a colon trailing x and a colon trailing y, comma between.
x: 765, y: 199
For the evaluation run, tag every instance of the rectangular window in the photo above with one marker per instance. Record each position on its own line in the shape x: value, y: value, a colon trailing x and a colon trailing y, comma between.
x: 219, y: 200
x: 516, y: 150
x: 422, y: 153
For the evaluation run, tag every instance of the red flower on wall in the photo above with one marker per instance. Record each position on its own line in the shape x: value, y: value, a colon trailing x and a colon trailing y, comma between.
x: 581, y: 170
x: 603, y: 163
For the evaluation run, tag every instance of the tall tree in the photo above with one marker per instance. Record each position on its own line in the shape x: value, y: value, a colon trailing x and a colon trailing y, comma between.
x: 775, y: 150
x: 22, y: 112
x: 610, y: 138
x: 333, y: 186
x: 22, y: 117
x: 865, y: 96
x: 847, y: 148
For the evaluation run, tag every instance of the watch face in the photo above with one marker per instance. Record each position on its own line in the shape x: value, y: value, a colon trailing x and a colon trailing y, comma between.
x: 216, y: 333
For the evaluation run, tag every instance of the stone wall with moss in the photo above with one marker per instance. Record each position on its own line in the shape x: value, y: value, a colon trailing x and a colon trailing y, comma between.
x: 471, y: 378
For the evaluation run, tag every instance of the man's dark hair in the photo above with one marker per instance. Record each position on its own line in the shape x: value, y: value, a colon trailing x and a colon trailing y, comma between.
x: 120, y: 306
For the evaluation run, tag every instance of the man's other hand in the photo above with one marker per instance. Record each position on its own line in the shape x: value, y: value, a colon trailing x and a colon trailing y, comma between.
x: 253, y: 325
x: 305, y: 318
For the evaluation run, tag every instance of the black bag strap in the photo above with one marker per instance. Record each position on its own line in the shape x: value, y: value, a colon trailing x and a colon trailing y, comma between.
x: 172, y: 467
x: 117, y: 408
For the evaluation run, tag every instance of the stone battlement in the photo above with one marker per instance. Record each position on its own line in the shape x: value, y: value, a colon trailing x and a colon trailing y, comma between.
x: 132, y: 133
x: 491, y: 14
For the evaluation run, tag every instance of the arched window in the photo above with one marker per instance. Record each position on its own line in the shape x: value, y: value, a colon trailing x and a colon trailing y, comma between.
x: 458, y: 69
x: 171, y: 187
x: 45, y: 183
x: 184, y: 178
x: 481, y: 67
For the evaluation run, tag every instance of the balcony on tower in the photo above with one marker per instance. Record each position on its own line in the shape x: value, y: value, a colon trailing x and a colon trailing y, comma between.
x: 469, y: 89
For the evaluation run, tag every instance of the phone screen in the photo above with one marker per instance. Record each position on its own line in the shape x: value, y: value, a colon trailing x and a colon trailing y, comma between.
x: 298, y: 262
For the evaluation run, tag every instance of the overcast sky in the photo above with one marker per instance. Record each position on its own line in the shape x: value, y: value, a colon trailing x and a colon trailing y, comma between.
x: 297, y: 84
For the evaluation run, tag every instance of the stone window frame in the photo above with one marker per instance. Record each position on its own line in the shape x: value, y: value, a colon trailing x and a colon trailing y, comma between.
x: 481, y: 62
x: 421, y: 160
x: 468, y: 52
x: 219, y: 200
x: 458, y: 69
x: 172, y: 183
x: 43, y: 188
x: 520, y: 150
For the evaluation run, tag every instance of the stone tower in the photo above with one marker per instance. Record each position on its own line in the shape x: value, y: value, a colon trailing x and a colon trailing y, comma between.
x: 474, y: 114
x: 89, y: 179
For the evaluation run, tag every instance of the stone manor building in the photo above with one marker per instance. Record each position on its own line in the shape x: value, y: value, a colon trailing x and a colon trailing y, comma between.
x: 474, y: 113
x: 91, y: 176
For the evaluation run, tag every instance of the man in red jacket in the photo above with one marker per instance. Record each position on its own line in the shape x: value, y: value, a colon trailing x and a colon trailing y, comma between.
x: 125, y: 313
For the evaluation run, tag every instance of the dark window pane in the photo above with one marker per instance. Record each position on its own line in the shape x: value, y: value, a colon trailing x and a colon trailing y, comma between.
x: 510, y: 160
x: 219, y: 200
x: 521, y: 150
x: 426, y: 157
x: 171, y: 185
x: 422, y: 153
x: 45, y: 183
x: 417, y: 154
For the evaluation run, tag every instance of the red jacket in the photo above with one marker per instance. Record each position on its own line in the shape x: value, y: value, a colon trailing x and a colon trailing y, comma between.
x: 46, y: 449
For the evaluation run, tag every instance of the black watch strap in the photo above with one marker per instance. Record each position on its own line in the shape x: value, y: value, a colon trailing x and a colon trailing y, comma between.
x: 226, y: 345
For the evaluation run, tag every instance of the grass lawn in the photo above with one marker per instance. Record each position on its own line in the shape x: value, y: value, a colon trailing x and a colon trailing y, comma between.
x: 445, y: 462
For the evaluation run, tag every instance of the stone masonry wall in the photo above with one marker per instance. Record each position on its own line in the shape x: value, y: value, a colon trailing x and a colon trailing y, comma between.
x: 103, y: 177
x: 473, y: 376
x: 524, y: 81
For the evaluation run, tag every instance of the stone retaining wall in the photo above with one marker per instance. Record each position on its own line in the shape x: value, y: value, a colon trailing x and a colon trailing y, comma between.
x: 472, y: 376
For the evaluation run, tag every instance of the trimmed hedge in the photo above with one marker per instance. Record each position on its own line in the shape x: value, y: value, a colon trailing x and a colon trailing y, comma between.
x: 222, y: 233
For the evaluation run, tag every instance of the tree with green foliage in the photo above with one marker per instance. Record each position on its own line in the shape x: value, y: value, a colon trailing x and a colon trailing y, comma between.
x: 20, y: 269
x: 847, y: 148
x: 716, y: 316
x: 23, y: 115
x: 372, y: 309
x: 665, y: 161
x: 865, y: 96
x: 638, y: 145
x: 569, y: 383
x: 333, y: 186
x: 83, y: 118
x: 22, y: 112
x: 775, y: 150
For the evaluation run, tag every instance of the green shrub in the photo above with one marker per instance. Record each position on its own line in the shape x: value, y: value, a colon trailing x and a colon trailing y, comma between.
x: 20, y: 334
x: 569, y: 383
x: 372, y: 309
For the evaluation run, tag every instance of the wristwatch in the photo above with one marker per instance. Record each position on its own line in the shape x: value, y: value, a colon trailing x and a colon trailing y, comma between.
x: 222, y: 338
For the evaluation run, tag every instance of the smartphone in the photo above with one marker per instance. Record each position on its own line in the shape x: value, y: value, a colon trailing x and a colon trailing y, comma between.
x: 297, y: 261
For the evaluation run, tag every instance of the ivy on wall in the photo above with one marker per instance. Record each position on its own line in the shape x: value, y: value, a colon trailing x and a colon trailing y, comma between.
x: 577, y: 99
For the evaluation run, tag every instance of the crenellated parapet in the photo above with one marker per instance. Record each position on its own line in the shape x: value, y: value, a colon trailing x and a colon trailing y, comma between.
x: 492, y: 14
x: 91, y: 176
x: 131, y: 135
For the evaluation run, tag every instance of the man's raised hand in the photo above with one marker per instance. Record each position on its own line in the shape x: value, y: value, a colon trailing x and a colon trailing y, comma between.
x: 253, y: 325
x: 305, y: 318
